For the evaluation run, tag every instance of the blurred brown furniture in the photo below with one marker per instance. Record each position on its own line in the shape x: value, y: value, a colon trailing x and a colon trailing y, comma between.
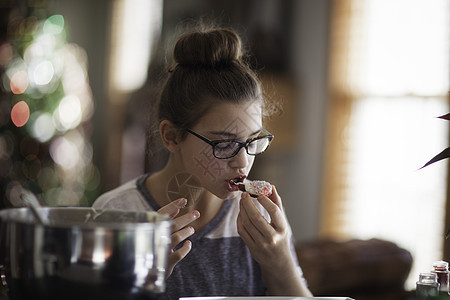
x: 361, y: 269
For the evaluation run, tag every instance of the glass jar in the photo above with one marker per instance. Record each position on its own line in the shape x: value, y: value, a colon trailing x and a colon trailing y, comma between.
x: 441, y: 269
x: 428, y: 286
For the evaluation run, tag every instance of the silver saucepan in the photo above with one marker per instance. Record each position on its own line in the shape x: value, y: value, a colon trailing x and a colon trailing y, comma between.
x: 83, y: 254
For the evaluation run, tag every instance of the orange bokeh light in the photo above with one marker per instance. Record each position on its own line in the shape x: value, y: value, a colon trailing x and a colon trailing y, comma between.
x: 20, y: 113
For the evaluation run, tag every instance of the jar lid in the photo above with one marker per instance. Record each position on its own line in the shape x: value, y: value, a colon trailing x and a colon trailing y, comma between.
x: 427, y: 277
x: 440, y: 264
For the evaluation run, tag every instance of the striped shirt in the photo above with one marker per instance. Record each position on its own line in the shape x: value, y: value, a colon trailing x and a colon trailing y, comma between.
x: 219, y: 263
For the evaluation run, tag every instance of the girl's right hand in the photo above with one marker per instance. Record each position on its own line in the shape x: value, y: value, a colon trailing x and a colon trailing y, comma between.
x: 180, y: 231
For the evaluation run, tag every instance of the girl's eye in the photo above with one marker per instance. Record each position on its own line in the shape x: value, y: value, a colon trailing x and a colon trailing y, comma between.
x: 225, y: 146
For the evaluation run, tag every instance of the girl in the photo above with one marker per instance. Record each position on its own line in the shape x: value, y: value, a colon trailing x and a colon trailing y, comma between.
x: 224, y: 243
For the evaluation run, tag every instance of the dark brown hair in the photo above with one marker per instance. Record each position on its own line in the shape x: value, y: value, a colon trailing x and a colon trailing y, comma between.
x: 208, y: 67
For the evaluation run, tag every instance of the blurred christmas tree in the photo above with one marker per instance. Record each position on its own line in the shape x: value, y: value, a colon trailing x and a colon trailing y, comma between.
x: 45, y: 110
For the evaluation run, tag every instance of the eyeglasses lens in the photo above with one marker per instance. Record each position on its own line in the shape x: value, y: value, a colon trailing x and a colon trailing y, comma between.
x: 258, y: 146
x: 225, y: 149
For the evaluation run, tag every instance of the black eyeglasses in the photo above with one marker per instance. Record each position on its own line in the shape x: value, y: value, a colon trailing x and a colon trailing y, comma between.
x: 228, y: 148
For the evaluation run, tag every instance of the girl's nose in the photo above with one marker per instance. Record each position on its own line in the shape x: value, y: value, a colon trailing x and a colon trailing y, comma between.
x: 240, y: 160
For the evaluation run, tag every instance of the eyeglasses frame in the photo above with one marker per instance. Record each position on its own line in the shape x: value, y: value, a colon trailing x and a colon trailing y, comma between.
x: 245, y: 144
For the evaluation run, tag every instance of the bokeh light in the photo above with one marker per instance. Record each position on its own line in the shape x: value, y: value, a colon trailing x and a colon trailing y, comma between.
x: 54, y: 25
x: 19, y: 82
x: 13, y: 190
x: 42, y: 47
x: 64, y: 152
x: 42, y: 72
x: 6, y: 146
x: 43, y: 127
x: 69, y: 112
x: 20, y: 113
x: 45, y: 84
x: 6, y: 54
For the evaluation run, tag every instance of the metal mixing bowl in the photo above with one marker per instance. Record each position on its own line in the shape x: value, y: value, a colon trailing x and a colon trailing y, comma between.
x: 83, y: 254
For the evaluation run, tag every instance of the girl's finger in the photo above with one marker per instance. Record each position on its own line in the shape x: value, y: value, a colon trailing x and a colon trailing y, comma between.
x: 275, y: 213
x: 275, y: 197
x: 248, y: 231
x: 173, y: 208
x: 176, y: 256
x: 243, y: 233
x: 253, y: 220
x: 185, y: 219
x: 180, y: 235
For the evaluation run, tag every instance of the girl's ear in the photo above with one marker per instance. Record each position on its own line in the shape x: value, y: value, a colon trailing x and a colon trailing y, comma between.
x: 169, y: 135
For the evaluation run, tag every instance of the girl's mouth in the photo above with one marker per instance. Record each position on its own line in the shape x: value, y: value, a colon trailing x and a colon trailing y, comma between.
x: 233, y: 184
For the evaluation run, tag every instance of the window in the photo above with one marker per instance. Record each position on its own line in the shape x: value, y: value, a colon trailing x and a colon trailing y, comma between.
x: 136, y: 25
x: 389, y: 78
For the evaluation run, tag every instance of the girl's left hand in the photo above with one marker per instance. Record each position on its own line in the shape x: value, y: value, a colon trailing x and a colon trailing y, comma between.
x: 269, y: 243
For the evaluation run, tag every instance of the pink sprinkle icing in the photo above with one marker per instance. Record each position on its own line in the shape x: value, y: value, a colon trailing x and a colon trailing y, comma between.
x: 261, y: 188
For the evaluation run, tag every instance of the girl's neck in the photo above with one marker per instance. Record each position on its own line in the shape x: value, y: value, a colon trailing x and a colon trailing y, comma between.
x: 205, y: 202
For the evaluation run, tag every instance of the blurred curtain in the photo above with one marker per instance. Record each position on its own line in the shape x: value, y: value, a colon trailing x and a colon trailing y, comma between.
x: 343, y: 20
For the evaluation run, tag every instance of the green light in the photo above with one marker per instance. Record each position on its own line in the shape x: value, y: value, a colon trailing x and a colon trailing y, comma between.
x: 54, y: 25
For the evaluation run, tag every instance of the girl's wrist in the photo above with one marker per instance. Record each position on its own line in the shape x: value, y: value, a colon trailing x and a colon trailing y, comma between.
x: 285, y: 282
x: 281, y: 265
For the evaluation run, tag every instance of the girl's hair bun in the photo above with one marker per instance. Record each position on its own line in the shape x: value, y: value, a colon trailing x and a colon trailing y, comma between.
x: 208, y: 48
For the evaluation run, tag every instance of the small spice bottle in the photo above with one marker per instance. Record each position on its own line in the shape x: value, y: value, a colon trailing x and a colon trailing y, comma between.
x: 441, y: 269
x: 428, y: 286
